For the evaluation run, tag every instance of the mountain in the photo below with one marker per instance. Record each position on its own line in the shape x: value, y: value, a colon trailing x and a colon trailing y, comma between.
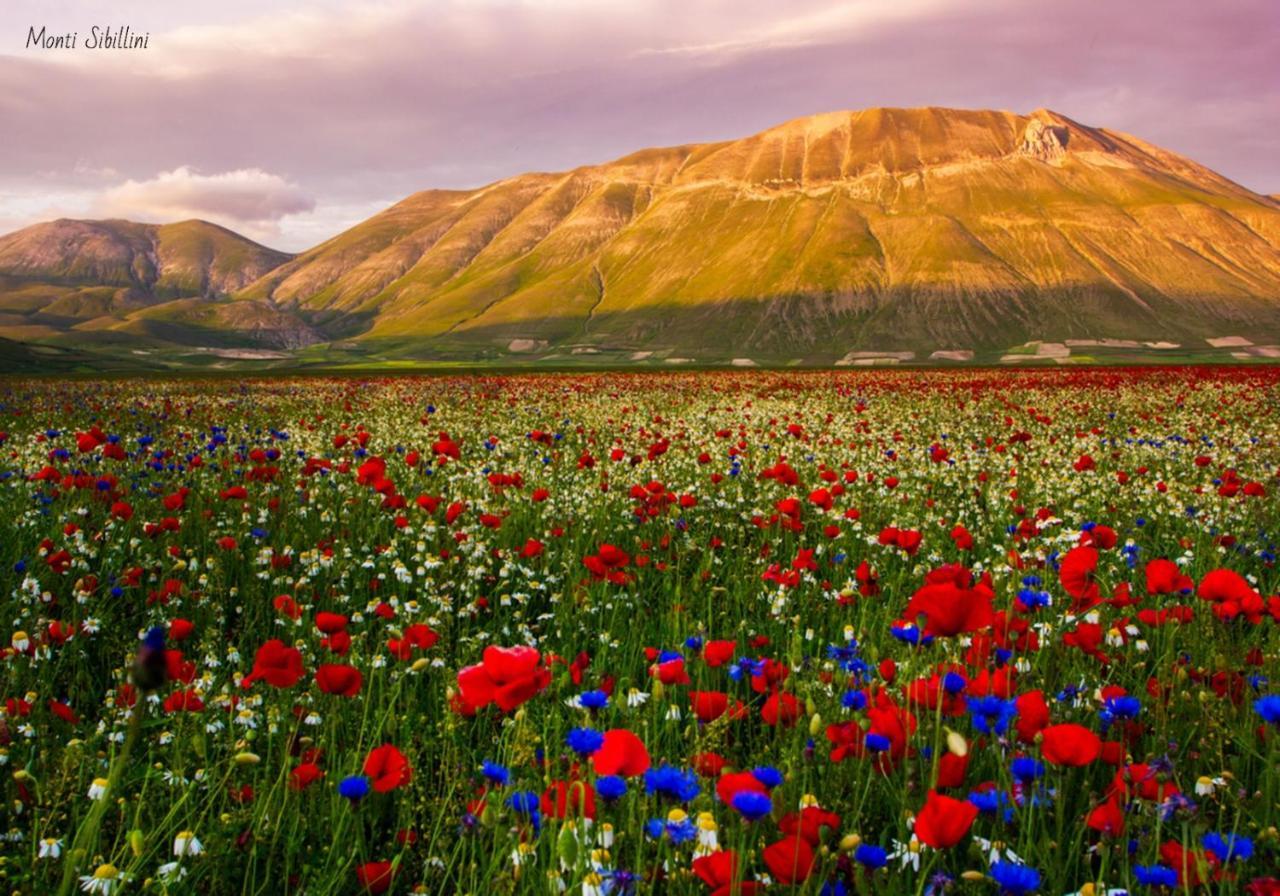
x: 116, y: 283
x: 849, y: 237
x: 170, y: 260
x: 828, y: 237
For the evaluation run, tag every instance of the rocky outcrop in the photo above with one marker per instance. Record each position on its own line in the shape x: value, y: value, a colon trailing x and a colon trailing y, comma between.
x: 1047, y: 142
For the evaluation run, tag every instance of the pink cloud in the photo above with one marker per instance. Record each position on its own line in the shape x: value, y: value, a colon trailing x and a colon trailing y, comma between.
x: 247, y: 198
x: 359, y: 105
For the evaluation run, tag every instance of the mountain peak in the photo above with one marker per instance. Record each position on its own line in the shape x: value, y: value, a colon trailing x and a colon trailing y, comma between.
x: 1044, y: 141
x: 868, y: 229
x: 834, y: 236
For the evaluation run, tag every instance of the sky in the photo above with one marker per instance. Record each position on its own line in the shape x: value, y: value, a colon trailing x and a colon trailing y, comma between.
x: 291, y: 120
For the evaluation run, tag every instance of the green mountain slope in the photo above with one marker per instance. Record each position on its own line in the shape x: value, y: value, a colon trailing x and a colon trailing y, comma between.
x: 850, y: 237
x: 880, y: 230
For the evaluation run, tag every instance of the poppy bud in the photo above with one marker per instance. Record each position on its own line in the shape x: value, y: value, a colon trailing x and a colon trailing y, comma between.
x: 136, y: 842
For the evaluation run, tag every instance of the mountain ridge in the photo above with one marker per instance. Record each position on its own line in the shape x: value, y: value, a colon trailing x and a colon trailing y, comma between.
x: 825, y: 238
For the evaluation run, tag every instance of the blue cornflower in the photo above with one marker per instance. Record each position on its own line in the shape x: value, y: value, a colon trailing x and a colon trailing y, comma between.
x: 854, y: 700
x: 846, y: 656
x: 669, y: 781
x: 1033, y: 598
x: 681, y: 831
x: 1123, y: 707
x: 871, y: 856
x: 1026, y: 769
x: 910, y: 634
x: 593, y: 699
x: 752, y: 805
x: 584, y: 741
x: 1015, y: 879
x: 954, y: 683
x: 1155, y: 875
x: 1174, y: 804
x: 746, y: 666
x: 354, y: 788
x: 498, y: 774
x: 991, y: 715
x: 877, y: 743
x: 767, y: 775
x: 524, y: 802
x: 1269, y: 708
x: 619, y: 882
x: 1228, y: 846
x: 988, y: 801
x: 611, y: 787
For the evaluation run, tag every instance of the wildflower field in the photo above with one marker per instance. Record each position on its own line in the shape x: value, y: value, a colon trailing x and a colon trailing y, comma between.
x: 874, y: 632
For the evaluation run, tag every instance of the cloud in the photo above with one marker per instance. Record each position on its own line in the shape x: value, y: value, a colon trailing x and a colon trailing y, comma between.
x: 357, y: 103
x: 247, y: 198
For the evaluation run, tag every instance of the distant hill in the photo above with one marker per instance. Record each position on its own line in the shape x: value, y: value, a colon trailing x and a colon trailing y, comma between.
x: 849, y: 237
x: 191, y: 258
x: 105, y: 283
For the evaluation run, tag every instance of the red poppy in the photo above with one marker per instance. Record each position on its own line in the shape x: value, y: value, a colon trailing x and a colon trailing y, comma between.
x: 780, y: 709
x: 621, y: 753
x: 1076, y: 572
x: 1069, y: 744
x: 388, y: 768
x: 722, y: 872
x: 950, y: 604
x: 732, y: 784
x: 277, y: 664
x: 808, y: 823
x: 717, y: 653
x: 943, y: 821
x: 1164, y: 577
x: 375, y: 877
x: 1107, y: 818
x: 335, y: 678
x: 1033, y: 715
x: 304, y: 776
x: 708, y: 705
x: 790, y: 860
x: 183, y: 701
x: 507, y: 676
x: 567, y: 799
x: 330, y: 623
x: 672, y: 672
x: 952, y: 769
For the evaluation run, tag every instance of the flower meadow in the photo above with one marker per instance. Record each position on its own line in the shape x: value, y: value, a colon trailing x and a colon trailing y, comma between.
x: 856, y: 632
